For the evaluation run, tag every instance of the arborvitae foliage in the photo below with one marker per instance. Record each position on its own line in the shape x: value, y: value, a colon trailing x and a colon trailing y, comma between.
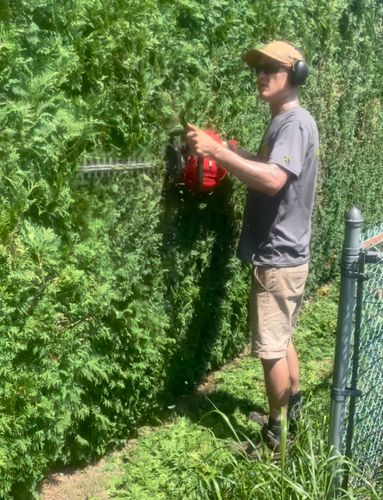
x: 118, y: 293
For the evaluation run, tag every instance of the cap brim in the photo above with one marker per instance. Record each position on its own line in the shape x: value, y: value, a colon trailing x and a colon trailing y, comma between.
x: 253, y: 56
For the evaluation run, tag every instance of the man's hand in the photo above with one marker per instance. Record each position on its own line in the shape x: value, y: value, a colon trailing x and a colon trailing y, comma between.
x: 200, y: 143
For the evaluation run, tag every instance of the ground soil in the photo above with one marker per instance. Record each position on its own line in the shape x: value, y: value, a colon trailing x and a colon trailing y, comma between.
x: 94, y: 481
x: 89, y: 483
x: 70, y: 484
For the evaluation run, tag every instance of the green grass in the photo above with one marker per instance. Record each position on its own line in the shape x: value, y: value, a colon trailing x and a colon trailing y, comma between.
x: 191, y: 455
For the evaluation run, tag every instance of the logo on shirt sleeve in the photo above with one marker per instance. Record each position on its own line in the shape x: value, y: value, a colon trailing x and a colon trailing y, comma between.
x: 264, y: 151
x: 287, y: 160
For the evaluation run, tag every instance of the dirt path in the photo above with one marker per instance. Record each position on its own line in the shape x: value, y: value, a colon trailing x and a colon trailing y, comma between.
x: 94, y: 481
x: 73, y: 485
x: 90, y: 483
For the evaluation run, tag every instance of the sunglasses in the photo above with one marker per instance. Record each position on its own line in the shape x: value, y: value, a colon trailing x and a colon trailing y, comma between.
x: 268, y: 69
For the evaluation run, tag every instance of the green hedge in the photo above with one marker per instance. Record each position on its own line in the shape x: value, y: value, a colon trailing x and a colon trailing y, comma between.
x: 118, y: 294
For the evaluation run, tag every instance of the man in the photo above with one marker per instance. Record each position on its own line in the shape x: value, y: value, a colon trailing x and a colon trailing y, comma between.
x: 277, y: 221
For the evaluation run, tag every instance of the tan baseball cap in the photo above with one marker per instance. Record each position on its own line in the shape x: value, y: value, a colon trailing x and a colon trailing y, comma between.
x: 278, y: 51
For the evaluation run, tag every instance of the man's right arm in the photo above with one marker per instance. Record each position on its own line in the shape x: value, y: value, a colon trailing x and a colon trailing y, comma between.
x: 267, y: 178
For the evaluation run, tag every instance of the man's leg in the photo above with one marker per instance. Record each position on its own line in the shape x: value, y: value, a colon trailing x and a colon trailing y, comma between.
x: 282, y: 383
x: 295, y: 401
x: 277, y: 382
x: 293, y: 368
x: 270, y: 338
x: 275, y: 300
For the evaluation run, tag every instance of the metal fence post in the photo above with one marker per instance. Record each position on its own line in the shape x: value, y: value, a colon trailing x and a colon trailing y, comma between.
x: 349, y: 275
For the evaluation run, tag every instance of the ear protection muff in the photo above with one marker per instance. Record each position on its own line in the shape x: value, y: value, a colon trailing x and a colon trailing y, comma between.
x: 299, y: 73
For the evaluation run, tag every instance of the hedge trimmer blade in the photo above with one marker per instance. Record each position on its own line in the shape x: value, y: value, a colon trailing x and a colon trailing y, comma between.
x: 102, y: 168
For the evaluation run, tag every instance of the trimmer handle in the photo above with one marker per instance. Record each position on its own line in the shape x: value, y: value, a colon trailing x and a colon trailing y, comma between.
x: 177, y: 132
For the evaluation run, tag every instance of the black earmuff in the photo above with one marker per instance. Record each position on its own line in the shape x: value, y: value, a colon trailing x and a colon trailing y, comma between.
x: 299, y: 73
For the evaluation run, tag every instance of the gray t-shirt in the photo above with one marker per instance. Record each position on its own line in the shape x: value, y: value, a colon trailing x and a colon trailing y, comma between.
x: 276, y: 229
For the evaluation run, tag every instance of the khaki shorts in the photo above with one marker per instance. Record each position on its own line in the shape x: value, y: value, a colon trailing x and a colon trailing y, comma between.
x: 275, y: 300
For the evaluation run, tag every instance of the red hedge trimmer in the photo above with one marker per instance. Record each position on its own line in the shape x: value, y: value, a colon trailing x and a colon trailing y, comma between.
x: 196, y: 174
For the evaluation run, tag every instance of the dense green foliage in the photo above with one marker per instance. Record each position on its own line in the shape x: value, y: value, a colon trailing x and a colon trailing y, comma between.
x: 117, y: 294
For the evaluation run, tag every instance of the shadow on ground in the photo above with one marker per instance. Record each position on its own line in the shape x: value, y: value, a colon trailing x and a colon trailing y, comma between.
x: 220, y: 412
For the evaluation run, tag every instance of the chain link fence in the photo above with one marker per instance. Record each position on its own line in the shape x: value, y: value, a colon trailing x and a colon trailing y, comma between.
x: 356, y: 424
x: 363, y: 436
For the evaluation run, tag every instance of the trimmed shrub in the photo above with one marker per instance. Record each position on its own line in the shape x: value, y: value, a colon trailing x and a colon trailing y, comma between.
x: 118, y: 294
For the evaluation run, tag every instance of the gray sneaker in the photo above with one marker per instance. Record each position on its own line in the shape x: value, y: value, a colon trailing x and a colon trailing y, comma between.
x: 259, y: 418
x: 248, y: 449
x: 294, y: 412
x: 271, y: 434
